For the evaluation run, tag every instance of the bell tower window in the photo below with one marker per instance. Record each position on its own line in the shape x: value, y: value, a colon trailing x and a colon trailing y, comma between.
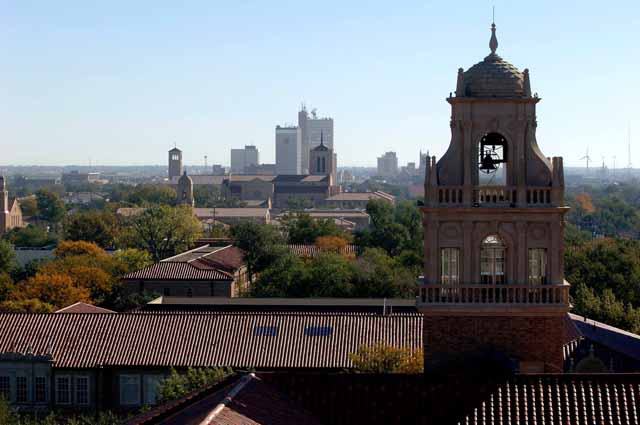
x: 492, y: 160
x: 537, y: 266
x: 450, y: 260
x: 492, y: 261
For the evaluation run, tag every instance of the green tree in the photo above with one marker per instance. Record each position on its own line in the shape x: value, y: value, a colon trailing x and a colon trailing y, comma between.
x: 50, y: 206
x: 178, y: 385
x: 301, y: 228
x: 285, y: 277
x: 29, y: 206
x: 261, y: 243
x: 92, y: 226
x: 207, y: 196
x: 30, y: 236
x: 7, y: 257
x: 378, y: 275
x: 164, y: 231
x: 382, y: 358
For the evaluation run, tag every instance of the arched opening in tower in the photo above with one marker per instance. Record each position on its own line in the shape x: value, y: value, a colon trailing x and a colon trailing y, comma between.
x: 492, y: 160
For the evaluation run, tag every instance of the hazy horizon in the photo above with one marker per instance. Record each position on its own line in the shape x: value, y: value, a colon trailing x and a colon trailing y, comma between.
x: 120, y: 83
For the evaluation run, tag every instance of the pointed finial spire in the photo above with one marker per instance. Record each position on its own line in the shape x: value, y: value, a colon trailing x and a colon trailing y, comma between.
x: 321, y: 138
x: 493, y: 43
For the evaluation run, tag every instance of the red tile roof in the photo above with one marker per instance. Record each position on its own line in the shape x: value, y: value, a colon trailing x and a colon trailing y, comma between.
x: 302, y: 250
x: 203, y: 263
x: 260, y: 340
x: 81, y: 307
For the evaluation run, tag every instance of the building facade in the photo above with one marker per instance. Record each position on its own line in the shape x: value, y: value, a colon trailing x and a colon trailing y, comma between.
x: 175, y: 163
x: 493, y: 273
x: 288, y: 151
x: 388, y: 165
x: 311, y: 130
x: 241, y: 159
x: 10, y: 211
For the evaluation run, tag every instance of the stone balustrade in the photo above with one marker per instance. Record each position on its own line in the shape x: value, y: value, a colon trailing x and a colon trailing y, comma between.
x: 505, y: 294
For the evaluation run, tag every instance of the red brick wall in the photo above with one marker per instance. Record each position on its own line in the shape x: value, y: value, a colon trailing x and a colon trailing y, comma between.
x: 534, y: 339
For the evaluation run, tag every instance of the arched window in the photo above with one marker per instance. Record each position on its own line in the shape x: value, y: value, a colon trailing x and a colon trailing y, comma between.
x: 492, y: 259
x: 318, y: 169
x: 324, y: 166
x: 492, y: 160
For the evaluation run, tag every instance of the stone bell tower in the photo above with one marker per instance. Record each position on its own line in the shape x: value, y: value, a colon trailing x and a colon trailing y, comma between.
x: 184, y: 190
x: 493, y: 227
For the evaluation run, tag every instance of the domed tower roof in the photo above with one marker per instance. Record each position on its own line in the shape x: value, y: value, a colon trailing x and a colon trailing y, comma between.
x: 493, y: 77
x: 185, y: 179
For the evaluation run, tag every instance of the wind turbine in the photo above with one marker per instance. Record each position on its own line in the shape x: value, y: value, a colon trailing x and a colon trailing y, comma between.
x: 587, y: 158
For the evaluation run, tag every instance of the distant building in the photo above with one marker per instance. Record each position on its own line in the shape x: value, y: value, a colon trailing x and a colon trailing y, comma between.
x: 388, y: 165
x: 241, y: 159
x: 248, y: 187
x: 288, y: 151
x: 217, y: 170
x: 261, y: 170
x: 184, y: 191
x: 312, y: 129
x: 77, y: 178
x: 175, y: 163
x: 303, y: 191
x: 202, y: 272
x: 82, y: 198
x: 210, y: 217
x: 10, y: 212
x: 358, y: 200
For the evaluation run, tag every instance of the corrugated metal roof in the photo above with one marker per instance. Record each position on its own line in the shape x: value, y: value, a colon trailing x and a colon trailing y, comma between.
x: 202, y: 340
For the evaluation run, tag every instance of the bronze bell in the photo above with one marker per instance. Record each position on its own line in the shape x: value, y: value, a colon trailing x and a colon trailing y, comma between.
x: 488, y: 165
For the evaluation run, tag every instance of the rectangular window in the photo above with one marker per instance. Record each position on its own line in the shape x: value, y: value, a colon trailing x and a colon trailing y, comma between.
x: 130, y: 390
x: 5, y: 387
x: 318, y: 331
x: 21, y: 389
x: 40, y: 389
x: 450, y: 272
x: 151, y: 388
x: 537, y: 266
x: 63, y: 390
x: 82, y: 390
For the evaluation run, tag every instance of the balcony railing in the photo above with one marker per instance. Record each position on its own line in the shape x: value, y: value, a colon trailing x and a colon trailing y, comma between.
x: 550, y: 295
x: 494, y: 196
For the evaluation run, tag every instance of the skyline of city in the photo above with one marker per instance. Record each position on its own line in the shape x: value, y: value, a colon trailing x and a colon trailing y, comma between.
x: 113, y: 93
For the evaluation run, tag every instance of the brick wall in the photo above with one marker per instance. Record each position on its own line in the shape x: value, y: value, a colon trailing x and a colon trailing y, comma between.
x: 527, y: 339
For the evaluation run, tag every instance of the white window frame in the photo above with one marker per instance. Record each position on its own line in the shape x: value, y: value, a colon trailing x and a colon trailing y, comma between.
x: 58, y: 378
x: 449, y: 265
x: 136, y: 378
x: 537, y: 262
x: 76, y: 389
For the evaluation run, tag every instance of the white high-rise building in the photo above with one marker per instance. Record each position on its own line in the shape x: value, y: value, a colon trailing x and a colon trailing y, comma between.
x: 241, y: 159
x: 288, y: 151
x: 311, y: 130
x: 388, y: 165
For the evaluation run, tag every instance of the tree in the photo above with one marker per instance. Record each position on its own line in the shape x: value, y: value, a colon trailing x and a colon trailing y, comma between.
x: 50, y: 206
x: 261, y: 243
x: 382, y: 358
x: 207, y: 196
x: 301, y: 228
x: 331, y: 243
x: 31, y: 305
x: 91, y: 226
x: 55, y: 289
x: 73, y: 248
x: 7, y: 257
x: 178, y: 385
x: 285, y: 277
x: 378, y: 275
x: 131, y: 259
x: 29, y: 206
x: 164, y: 231
x: 30, y: 236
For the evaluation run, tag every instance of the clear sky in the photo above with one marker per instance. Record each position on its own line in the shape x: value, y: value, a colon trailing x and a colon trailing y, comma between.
x: 120, y: 81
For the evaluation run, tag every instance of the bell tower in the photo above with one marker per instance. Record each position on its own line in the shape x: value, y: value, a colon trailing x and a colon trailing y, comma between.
x: 493, y: 227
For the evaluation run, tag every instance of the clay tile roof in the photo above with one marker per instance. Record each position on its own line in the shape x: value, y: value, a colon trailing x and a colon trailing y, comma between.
x: 203, y: 263
x: 81, y: 307
x: 241, y: 340
x: 494, y: 77
x: 308, y: 251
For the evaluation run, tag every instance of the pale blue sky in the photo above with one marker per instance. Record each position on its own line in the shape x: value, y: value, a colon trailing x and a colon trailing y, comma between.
x: 120, y: 81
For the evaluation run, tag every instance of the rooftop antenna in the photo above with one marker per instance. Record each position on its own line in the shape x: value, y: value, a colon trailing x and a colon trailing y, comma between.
x: 587, y: 158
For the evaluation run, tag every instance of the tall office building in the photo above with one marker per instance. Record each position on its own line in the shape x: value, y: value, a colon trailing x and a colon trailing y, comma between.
x: 288, y: 151
x: 388, y: 165
x: 241, y: 159
x: 311, y: 130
